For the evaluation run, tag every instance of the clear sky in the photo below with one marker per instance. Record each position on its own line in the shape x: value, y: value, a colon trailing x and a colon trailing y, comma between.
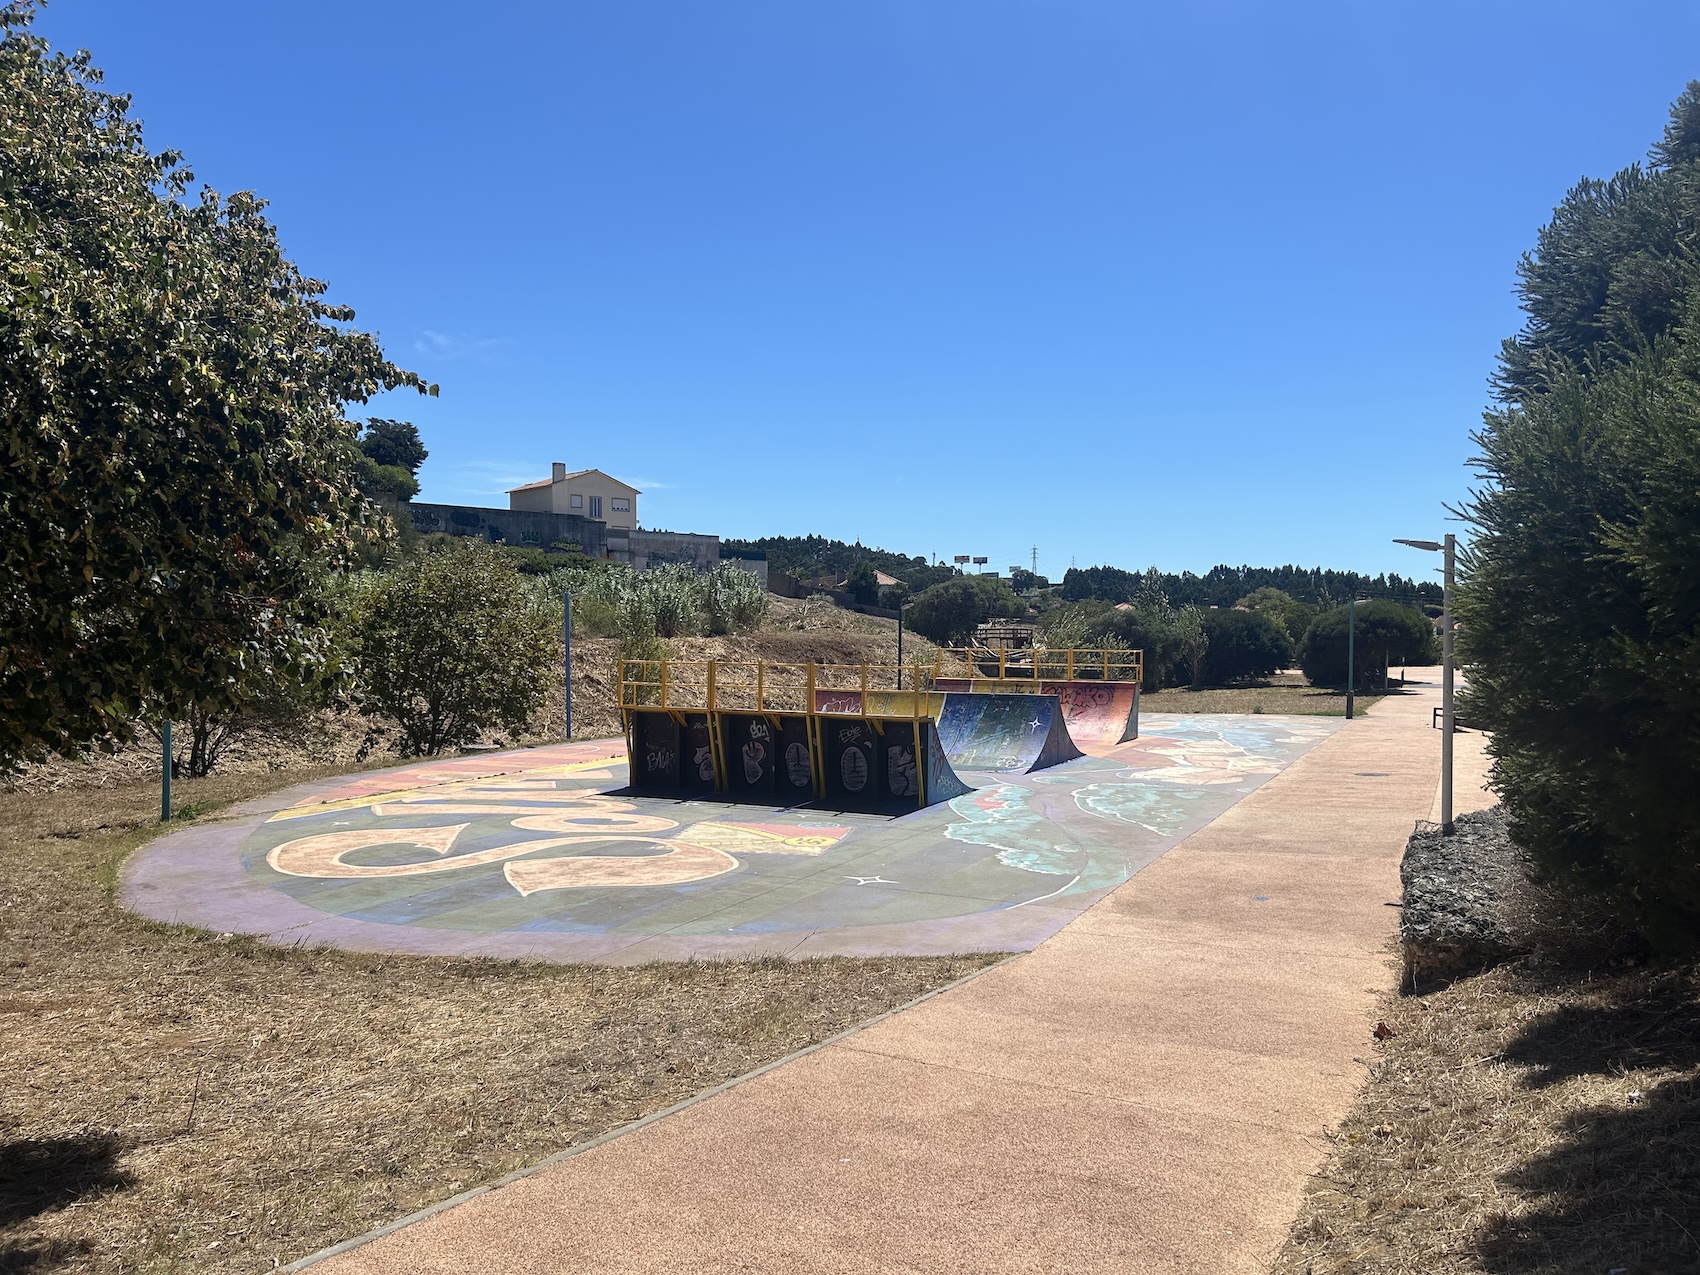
x: 1131, y: 283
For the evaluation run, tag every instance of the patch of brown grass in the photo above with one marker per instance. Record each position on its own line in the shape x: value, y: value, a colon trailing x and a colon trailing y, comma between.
x: 1283, y: 693
x: 1539, y: 1119
x: 179, y: 1101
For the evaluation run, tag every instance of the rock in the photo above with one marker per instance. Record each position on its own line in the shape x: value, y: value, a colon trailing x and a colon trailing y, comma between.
x: 1459, y: 892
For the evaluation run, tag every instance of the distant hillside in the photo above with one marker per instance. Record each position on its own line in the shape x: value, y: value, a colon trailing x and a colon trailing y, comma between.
x: 1223, y: 586
x: 808, y: 556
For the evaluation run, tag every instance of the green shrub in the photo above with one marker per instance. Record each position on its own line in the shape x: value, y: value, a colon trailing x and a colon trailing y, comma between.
x: 1172, y: 641
x: 1579, y: 606
x: 733, y: 600
x: 863, y: 585
x: 1242, y: 644
x: 1387, y: 633
x: 450, y: 645
x: 948, y: 613
x: 1580, y: 619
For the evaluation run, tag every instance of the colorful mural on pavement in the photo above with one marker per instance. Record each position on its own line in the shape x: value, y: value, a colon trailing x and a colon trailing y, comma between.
x: 541, y: 854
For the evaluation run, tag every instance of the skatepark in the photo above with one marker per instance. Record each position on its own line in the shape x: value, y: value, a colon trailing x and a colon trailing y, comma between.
x: 555, y: 854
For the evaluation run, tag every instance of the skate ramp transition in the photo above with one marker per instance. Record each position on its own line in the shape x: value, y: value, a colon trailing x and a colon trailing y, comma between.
x: 1096, y: 687
x: 784, y: 734
x: 1097, y: 714
x: 1004, y: 733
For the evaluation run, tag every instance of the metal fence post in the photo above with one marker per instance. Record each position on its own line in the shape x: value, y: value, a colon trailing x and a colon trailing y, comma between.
x: 567, y: 633
x: 165, y: 775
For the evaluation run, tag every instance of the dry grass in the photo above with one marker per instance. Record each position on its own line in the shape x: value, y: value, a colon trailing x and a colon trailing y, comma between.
x: 1540, y: 1119
x: 179, y: 1102
x: 1283, y: 693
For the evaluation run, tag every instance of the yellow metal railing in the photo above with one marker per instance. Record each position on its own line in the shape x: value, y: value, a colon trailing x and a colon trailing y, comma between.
x: 1040, y: 664
x: 770, y: 686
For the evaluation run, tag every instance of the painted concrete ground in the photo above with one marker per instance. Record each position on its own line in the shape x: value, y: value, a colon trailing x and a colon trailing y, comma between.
x: 537, y: 855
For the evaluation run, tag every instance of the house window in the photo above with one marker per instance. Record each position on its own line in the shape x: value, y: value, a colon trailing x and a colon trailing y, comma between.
x: 596, y: 506
x: 577, y: 501
x: 620, y: 505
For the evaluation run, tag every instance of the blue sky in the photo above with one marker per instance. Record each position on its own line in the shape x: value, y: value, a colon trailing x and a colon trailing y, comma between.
x: 1130, y: 283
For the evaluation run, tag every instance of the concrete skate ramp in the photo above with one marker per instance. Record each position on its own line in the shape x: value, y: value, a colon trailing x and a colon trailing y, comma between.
x: 1002, y: 732
x: 1098, y: 714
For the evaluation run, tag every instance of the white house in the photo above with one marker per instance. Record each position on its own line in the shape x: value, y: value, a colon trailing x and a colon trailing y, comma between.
x: 589, y: 493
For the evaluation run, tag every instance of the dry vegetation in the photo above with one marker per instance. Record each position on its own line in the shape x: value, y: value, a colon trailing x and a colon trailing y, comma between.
x: 1283, y: 693
x: 812, y: 629
x: 1542, y: 1118
x: 178, y: 1101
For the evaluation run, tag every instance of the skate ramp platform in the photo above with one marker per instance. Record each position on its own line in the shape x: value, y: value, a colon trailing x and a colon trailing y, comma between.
x: 1098, y: 715
x: 1004, y: 733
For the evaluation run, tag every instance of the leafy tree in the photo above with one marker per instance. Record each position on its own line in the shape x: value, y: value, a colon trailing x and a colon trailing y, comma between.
x: 1103, y: 584
x: 1025, y: 581
x: 862, y: 584
x: 1155, y: 630
x: 177, y: 471
x: 1293, y: 616
x: 1387, y: 632
x: 948, y: 613
x: 394, y: 444
x: 449, y: 646
x: 812, y: 556
x: 390, y: 455
x: 1242, y: 645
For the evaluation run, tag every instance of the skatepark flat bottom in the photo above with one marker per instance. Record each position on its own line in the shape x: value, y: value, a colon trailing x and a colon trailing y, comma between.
x: 540, y: 855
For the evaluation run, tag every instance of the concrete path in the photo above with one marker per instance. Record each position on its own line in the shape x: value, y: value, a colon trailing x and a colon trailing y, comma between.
x: 1146, y: 1091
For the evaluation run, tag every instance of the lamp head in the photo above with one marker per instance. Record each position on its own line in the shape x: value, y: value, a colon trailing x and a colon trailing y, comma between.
x: 1433, y: 546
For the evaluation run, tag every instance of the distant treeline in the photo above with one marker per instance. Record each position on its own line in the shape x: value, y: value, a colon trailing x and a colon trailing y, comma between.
x: 1222, y: 586
x: 809, y: 556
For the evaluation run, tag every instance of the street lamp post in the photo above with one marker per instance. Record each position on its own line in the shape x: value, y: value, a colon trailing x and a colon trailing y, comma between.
x: 1351, y: 653
x: 1449, y: 547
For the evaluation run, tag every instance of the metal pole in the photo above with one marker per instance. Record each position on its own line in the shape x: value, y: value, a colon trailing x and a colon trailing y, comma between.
x: 899, y: 645
x: 1446, y: 691
x: 165, y: 776
x: 567, y: 634
x: 1351, y: 654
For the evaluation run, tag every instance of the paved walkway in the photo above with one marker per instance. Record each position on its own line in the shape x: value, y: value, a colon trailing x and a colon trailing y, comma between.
x: 1145, y: 1092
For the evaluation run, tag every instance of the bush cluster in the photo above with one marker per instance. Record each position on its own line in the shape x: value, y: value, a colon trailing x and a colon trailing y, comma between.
x: 1580, y: 606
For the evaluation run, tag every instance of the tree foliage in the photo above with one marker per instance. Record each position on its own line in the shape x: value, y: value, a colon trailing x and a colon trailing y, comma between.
x: 1223, y: 586
x: 177, y: 466
x: 810, y: 556
x: 395, y: 444
x: 862, y: 584
x: 450, y: 646
x: 948, y: 613
x: 1293, y: 616
x: 1580, y: 607
x: 1241, y: 645
x: 1386, y: 633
